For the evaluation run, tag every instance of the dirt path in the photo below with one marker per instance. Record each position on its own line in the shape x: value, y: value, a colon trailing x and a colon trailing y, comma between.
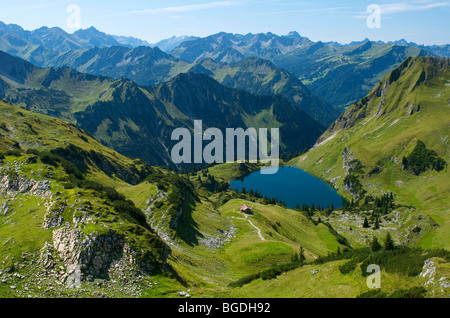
x: 257, y: 229
x: 251, y: 223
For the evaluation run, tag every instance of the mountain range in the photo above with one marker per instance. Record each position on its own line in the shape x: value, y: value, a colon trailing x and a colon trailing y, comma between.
x: 168, y: 45
x: 138, y: 121
x: 347, y: 71
x: 150, y: 66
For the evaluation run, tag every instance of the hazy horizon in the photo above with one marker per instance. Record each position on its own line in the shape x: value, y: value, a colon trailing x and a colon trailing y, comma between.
x: 420, y: 21
x: 193, y: 35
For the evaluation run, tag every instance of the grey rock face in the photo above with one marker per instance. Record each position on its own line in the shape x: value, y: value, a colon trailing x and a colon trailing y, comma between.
x: 4, y: 209
x: 53, y: 218
x: 11, y: 186
x: 46, y: 258
x: 95, y: 254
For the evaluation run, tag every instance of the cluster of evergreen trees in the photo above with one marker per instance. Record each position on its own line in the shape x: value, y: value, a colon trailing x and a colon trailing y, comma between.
x: 265, y: 200
x: 191, y: 170
x: 380, y: 206
x: 354, y: 186
x: 349, y: 205
x: 211, y: 183
x: 389, y: 245
x: 383, y: 204
x: 389, y: 256
x: 310, y: 210
x: 422, y: 159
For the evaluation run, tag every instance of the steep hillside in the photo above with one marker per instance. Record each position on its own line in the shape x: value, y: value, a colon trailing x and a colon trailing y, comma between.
x: 197, y: 96
x: 262, y: 77
x: 34, y: 131
x: 150, y: 66
x: 60, y: 215
x: 372, y: 148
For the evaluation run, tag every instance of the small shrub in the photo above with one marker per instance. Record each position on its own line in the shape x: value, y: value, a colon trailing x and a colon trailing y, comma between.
x: 267, y: 274
x: 348, y: 267
x: 127, y: 209
x: 414, y: 292
x: 375, y: 293
x: 14, y: 152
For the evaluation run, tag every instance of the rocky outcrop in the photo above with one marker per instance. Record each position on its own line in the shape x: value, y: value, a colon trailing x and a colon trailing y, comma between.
x: 178, y: 216
x: 412, y: 109
x: 347, y: 157
x: 216, y: 242
x: 95, y: 254
x: 53, y: 218
x: 46, y: 257
x: 4, y: 208
x: 434, y: 283
x: 13, y: 185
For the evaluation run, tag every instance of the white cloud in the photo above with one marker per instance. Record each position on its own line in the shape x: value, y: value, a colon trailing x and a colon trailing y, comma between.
x: 187, y: 8
x: 399, y: 7
x: 393, y: 8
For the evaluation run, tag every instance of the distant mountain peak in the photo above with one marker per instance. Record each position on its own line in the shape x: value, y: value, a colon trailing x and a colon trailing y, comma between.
x: 294, y: 34
x: 90, y: 30
x: 402, y: 41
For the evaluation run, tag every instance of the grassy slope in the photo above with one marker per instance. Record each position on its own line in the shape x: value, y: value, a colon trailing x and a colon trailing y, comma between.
x: 384, y: 135
x: 329, y: 282
x: 36, y: 131
x: 21, y: 233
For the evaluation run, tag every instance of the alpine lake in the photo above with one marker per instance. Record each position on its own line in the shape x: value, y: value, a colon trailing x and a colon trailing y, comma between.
x: 291, y: 185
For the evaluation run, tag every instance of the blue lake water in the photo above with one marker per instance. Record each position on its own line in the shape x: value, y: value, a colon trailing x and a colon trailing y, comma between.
x: 291, y: 185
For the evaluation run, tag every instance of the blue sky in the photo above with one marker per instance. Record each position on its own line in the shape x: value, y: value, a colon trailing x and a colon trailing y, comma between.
x: 420, y: 21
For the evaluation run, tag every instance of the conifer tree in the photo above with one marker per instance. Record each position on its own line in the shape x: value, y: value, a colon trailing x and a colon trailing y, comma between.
x: 302, y: 254
x: 377, y: 224
x: 389, y: 243
x: 375, y: 245
x: 366, y: 223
